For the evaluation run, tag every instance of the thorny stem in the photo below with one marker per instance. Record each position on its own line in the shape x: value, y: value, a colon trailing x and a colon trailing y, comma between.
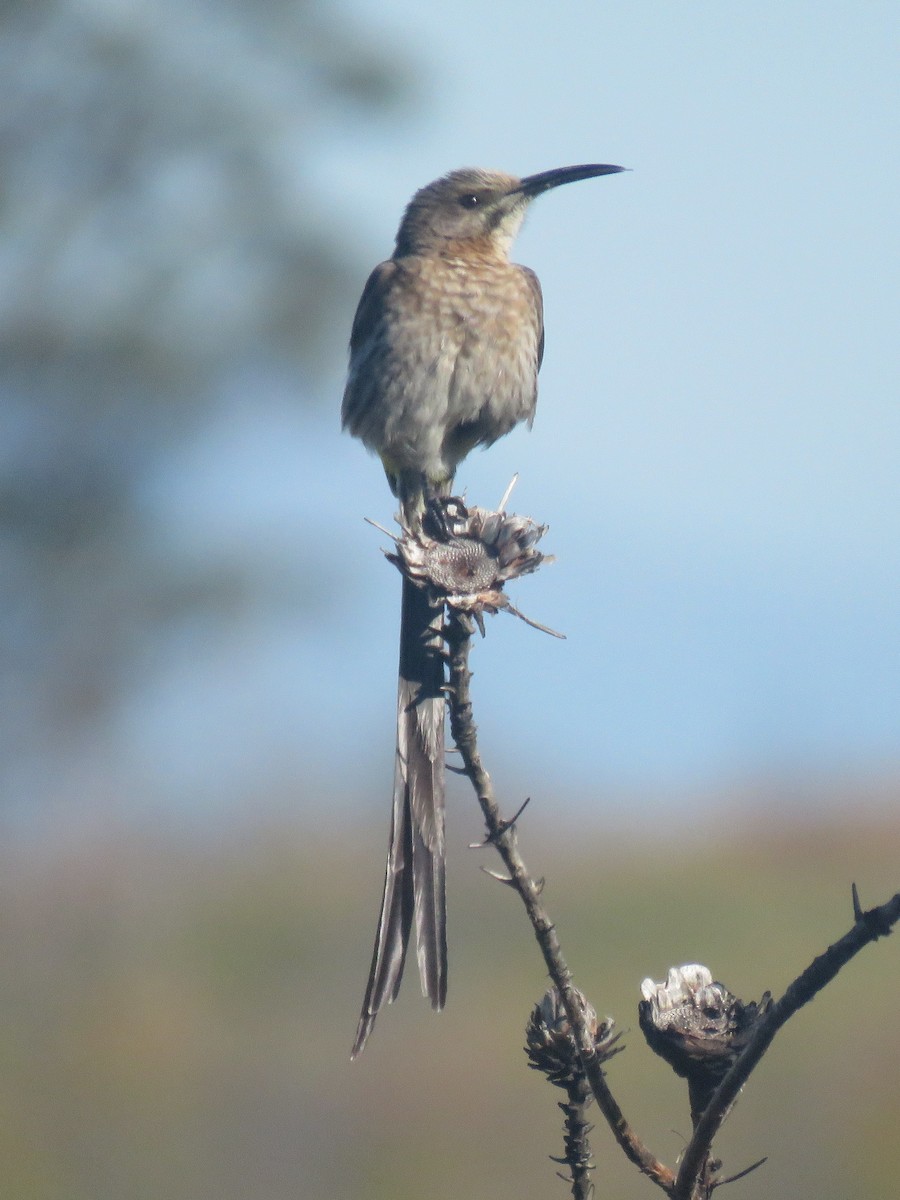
x: 578, y: 1150
x: 875, y: 923
x: 692, y: 1180
x: 458, y: 633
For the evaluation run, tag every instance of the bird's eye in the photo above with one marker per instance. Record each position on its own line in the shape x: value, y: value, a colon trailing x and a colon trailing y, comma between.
x: 470, y: 200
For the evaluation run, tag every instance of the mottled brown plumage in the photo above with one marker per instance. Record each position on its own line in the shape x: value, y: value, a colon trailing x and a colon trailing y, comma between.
x: 444, y: 356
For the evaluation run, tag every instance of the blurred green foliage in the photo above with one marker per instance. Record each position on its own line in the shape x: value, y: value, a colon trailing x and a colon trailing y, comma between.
x: 164, y: 249
x: 176, y: 1015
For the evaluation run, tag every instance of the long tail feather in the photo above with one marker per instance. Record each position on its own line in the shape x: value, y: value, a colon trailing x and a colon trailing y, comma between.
x: 414, y: 881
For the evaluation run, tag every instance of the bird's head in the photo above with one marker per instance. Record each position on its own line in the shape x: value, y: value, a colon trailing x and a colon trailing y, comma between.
x: 478, y: 206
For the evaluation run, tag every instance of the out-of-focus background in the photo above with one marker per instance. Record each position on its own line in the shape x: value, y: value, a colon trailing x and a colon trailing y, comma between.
x: 198, y: 631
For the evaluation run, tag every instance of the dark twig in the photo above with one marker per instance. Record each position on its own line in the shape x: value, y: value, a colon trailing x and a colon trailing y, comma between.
x: 693, y: 1178
x: 716, y: 1183
x: 503, y: 835
x: 578, y: 1150
x: 870, y: 925
x: 551, y: 1050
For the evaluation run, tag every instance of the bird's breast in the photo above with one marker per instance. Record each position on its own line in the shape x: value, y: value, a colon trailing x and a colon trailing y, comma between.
x: 481, y: 314
x: 450, y: 361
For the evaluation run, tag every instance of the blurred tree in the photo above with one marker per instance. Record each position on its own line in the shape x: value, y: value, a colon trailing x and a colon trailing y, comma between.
x: 158, y: 236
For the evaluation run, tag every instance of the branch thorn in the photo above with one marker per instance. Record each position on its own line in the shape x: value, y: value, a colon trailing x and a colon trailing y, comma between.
x: 500, y: 878
x: 381, y: 529
x: 740, y: 1175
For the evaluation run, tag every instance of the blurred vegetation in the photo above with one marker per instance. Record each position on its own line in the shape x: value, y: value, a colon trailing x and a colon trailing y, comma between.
x: 162, y: 244
x: 177, y: 1017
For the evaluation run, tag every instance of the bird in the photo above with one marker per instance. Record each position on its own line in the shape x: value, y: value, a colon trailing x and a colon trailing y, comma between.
x: 445, y: 350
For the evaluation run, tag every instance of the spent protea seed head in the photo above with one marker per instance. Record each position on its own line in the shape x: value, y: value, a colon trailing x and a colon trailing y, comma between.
x: 550, y: 1044
x: 697, y: 1026
x: 465, y: 557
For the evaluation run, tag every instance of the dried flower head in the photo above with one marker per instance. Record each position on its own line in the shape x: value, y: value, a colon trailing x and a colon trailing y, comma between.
x: 550, y: 1044
x: 465, y: 556
x: 697, y: 1026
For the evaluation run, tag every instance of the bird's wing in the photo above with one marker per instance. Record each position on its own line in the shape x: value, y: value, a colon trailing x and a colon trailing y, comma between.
x: 366, y: 328
x: 535, y: 284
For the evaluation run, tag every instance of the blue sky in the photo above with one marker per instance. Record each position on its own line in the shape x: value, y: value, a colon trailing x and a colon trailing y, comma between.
x: 717, y: 444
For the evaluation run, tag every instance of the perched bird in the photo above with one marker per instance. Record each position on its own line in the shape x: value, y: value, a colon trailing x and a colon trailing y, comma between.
x: 445, y: 350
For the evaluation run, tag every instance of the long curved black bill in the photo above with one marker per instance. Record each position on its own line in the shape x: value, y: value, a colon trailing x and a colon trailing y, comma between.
x: 533, y: 185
